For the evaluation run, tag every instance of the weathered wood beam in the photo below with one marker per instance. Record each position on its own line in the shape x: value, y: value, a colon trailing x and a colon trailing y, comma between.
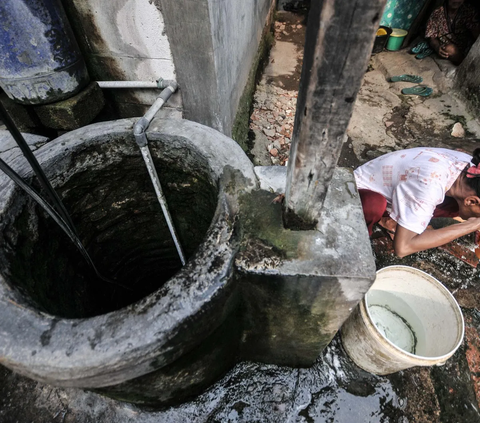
x: 338, y: 45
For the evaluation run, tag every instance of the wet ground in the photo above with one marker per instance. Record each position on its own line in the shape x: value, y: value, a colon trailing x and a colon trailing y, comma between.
x: 334, y: 389
x: 385, y: 120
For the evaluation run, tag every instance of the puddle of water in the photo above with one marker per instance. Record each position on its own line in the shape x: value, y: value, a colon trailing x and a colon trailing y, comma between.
x: 340, y: 392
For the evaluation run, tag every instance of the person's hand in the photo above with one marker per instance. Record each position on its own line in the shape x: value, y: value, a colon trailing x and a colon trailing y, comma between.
x: 448, y: 50
x: 389, y: 224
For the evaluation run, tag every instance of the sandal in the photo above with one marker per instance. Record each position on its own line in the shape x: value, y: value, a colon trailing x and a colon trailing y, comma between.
x: 419, y: 48
x: 424, y: 53
x: 407, y: 78
x: 421, y: 90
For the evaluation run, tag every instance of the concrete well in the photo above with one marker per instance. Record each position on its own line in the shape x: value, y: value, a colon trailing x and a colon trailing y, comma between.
x: 63, y: 326
x: 251, y: 290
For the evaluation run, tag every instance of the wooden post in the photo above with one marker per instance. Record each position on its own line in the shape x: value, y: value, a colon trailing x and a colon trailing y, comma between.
x: 338, y: 45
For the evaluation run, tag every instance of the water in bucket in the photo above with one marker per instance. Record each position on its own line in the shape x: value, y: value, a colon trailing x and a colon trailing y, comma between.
x: 396, y: 321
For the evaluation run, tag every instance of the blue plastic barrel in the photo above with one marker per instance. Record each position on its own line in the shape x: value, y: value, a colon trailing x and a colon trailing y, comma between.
x: 40, y: 61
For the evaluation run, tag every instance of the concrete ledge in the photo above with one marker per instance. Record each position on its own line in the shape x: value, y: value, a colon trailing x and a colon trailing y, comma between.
x: 251, y: 290
x: 23, y: 116
x: 159, y: 331
x: 9, y: 151
x: 300, y: 286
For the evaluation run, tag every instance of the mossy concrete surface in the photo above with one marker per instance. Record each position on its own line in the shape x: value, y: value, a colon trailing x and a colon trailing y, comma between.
x: 295, y: 289
x: 250, y: 291
x: 467, y: 79
x: 23, y: 116
x: 242, y: 118
x: 300, y: 286
x: 75, y: 112
x: 52, y: 333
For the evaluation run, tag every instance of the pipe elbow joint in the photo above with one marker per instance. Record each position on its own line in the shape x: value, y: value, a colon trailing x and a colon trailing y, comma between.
x: 168, y: 92
x: 164, y: 83
x: 173, y: 84
x: 139, y: 132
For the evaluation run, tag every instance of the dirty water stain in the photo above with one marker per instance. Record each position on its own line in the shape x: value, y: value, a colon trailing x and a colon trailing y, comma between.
x: 47, y: 335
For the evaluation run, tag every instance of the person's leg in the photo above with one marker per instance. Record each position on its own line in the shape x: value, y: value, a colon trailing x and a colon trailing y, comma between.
x: 374, y: 206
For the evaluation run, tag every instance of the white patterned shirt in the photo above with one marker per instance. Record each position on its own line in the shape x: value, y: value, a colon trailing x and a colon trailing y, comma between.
x: 413, y: 181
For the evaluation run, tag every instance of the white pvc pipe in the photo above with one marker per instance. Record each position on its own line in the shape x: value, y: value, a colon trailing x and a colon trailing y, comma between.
x: 158, y: 84
x: 153, y: 110
x: 127, y: 84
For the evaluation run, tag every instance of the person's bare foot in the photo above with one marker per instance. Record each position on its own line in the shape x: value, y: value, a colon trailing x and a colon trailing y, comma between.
x: 389, y: 225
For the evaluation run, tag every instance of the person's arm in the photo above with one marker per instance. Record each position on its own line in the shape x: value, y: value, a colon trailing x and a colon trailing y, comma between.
x: 407, y: 242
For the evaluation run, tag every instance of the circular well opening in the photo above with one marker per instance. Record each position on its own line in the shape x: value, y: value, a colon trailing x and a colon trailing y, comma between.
x: 110, y: 197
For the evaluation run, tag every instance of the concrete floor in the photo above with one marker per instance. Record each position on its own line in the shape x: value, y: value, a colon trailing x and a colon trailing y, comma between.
x: 334, y: 389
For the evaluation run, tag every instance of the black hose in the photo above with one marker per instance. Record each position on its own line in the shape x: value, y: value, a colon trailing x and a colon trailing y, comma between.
x: 4, y: 167
x: 32, y: 160
x: 60, y: 214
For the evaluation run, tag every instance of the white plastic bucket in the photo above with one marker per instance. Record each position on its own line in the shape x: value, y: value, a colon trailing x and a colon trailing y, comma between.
x: 407, y: 319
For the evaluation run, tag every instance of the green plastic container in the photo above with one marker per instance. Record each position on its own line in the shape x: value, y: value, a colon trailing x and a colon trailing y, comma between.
x: 396, y: 39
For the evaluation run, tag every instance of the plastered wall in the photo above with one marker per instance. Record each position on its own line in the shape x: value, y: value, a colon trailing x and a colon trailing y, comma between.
x: 124, y: 40
x: 236, y: 28
x: 208, y: 46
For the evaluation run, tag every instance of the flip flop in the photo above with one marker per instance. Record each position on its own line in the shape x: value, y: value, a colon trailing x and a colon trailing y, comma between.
x: 420, y: 47
x: 407, y: 78
x: 421, y: 90
x: 424, y: 53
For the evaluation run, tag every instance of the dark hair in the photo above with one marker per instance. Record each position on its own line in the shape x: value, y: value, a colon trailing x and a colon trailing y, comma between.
x: 474, y: 183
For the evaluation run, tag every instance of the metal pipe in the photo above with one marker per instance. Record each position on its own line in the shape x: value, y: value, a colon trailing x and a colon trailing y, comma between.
x: 139, y: 132
x: 161, y: 199
x: 160, y: 83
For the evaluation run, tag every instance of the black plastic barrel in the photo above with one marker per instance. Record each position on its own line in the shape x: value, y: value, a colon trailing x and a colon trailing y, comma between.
x: 381, y: 40
x: 40, y: 61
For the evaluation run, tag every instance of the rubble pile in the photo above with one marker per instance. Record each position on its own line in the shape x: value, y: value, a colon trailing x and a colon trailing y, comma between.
x: 274, y: 117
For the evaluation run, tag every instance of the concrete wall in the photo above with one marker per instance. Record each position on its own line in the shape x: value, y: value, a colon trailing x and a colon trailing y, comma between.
x: 467, y: 79
x: 236, y: 30
x: 208, y: 46
x: 214, y: 43
x: 123, y: 40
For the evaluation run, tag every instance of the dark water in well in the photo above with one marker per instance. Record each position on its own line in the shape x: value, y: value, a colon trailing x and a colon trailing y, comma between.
x: 120, y: 222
